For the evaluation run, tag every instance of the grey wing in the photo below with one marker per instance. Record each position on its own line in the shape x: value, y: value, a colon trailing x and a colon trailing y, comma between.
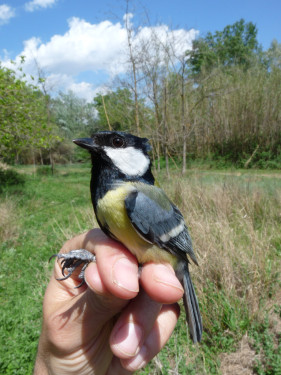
x: 160, y: 222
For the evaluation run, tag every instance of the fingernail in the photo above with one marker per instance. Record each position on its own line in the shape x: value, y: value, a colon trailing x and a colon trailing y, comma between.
x: 163, y: 275
x: 128, y: 338
x: 125, y: 275
x: 138, y: 361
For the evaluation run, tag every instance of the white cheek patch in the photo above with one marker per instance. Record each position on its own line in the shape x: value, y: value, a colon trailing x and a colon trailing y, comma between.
x: 129, y: 161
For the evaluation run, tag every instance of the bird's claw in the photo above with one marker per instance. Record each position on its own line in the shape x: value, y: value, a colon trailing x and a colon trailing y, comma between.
x: 72, y: 260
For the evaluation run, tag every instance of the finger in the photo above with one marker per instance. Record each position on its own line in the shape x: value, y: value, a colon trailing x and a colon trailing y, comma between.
x: 118, y: 269
x: 133, y: 326
x: 157, y: 338
x: 94, y: 280
x: 161, y: 283
x: 116, y: 368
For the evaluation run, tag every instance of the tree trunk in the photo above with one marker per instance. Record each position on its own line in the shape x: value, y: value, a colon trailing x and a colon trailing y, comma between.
x: 134, y: 69
x: 41, y: 157
x: 166, y: 131
x: 52, y: 163
x: 105, y: 111
x: 183, y: 122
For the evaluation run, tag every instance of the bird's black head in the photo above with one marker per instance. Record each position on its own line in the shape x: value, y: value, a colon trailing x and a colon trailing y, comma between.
x: 124, y: 151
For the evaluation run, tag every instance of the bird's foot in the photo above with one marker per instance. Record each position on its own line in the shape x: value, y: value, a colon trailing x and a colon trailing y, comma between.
x: 72, y: 260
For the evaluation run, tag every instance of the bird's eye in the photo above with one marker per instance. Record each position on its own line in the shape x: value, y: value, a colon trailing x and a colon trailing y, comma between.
x: 118, y: 142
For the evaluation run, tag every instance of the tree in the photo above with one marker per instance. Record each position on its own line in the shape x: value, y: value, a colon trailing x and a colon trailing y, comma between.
x: 273, y: 55
x: 73, y: 116
x: 120, y: 110
x: 236, y: 45
x: 133, y: 62
x: 23, y: 116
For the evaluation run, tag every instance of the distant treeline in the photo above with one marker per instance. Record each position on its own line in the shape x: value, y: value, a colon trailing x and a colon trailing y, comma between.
x: 221, y: 100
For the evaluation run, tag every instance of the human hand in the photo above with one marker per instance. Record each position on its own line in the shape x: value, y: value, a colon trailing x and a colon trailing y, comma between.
x: 116, y: 322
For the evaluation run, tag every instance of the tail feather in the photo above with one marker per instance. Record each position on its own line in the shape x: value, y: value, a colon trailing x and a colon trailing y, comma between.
x: 193, y: 316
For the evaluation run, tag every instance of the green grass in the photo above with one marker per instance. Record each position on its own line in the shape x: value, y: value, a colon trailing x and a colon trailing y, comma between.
x: 47, y: 211
x: 234, y: 218
x: 264, y: 344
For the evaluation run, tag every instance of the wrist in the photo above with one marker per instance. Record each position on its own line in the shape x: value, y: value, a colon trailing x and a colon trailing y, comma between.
x: 41, y: 367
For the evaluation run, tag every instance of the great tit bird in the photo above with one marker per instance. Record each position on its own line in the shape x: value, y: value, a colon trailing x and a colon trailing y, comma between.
x: 130, y: 208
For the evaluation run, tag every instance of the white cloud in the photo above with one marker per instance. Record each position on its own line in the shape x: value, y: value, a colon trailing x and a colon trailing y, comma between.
x: 83, y: 47
x: 83, y: 90
x: 31, y: 6
x: 100, y: 48
x: 6, y: 13
x: 63, y: 82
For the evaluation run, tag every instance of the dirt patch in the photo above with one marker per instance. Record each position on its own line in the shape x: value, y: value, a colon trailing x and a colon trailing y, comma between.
x: 240, y: 362
x: 243, y: 360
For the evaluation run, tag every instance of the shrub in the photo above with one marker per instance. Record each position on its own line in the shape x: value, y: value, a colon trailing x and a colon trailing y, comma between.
x: 45, y: 170
x: 10, y: 177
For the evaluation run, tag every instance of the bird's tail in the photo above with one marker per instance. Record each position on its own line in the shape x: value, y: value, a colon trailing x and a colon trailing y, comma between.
x: 193, y: 316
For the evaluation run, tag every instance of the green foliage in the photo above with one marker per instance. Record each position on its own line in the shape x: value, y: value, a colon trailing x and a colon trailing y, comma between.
x: 74, y: 116
x: 228, y: 319
x: 235, y: 155
x: 24, y: 121
x: 267, y: 159
x: 81, y: 155
x: 269, y: 362
x: 10, y: 177
x: 117, y: 107
x: 45, y: 170
x: 236, y: 45
x: 273, y: 55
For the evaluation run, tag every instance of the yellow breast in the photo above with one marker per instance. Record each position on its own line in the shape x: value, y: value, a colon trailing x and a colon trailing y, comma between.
x: 111, y: 211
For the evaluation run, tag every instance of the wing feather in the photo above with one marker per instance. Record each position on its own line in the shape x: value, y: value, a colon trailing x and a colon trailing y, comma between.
x: 159, y: 221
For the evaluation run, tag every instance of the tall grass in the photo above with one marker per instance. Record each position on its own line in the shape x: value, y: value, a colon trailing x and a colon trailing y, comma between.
x: 235, y: 230
x: 8, y: 222
x: 235, y: 227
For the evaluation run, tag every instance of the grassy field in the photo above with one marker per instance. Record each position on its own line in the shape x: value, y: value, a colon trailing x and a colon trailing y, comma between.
x: 234, y: 219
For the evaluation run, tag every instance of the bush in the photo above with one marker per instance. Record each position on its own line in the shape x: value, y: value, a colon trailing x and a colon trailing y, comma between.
x: 10, y: 177
x: 45, y: 170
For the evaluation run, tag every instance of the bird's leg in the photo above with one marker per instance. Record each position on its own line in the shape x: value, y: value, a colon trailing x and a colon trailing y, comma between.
x: 70, y: 261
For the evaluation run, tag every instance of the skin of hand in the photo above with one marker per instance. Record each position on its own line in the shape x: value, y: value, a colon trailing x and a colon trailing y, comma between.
x: 116, y: 322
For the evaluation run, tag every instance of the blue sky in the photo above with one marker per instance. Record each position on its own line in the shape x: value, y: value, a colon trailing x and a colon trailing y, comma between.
x: 79, y: 44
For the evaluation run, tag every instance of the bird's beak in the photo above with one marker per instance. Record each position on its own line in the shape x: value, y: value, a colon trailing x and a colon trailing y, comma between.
x: 87, y: 143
